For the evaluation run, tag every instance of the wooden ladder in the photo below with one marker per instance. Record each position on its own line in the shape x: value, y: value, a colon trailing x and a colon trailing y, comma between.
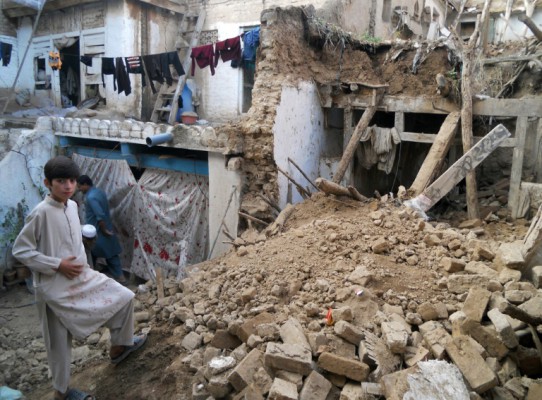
x: 166, y: 105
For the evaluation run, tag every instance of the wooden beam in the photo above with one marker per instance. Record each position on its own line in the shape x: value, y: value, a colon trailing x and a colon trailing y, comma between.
x: 531, y: 25
x: 457, y: 172
x: 437, y: 154
x: 350, y: 149
x: 348, y: 130
x: 531, y: 107
x: 526, y: 57
x: 517, y: 167
x: 430, y: 138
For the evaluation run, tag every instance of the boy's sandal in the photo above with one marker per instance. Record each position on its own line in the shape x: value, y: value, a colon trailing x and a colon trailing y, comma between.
x: 139, y: 341
x: 76, y: 394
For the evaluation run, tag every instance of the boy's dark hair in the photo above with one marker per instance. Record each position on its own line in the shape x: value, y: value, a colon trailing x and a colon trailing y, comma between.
x: 84, y: 180
x: 61, y: 167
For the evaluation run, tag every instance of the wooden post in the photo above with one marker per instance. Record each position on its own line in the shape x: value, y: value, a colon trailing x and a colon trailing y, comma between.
x: 517, y: 167
x: 466, y: 130
x: 435, y: 158
x: 347, y: 135
x: 354, y: 140
x: 466, y: 108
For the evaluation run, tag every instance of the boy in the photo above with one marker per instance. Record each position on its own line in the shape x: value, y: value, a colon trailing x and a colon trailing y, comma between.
x: 73, y: 300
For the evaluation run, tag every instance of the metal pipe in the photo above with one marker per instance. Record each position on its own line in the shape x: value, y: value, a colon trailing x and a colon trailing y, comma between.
x: 159, y: 139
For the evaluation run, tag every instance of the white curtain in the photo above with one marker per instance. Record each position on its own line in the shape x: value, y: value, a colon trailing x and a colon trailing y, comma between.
x: 162, y: 220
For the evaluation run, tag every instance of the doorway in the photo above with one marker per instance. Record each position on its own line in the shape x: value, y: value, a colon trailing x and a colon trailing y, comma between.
x: 70, y: 75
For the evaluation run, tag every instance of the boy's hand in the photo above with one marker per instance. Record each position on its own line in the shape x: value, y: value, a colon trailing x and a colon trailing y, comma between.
x: 70, y: 269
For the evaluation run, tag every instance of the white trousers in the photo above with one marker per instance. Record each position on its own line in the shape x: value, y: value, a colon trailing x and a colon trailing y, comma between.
x: 58, y: 341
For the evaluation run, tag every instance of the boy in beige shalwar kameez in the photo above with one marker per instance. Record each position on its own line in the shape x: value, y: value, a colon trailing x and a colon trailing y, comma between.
x: 73, y: 300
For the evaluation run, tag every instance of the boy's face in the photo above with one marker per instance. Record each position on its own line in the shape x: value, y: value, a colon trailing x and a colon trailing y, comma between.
x: 61, y: 188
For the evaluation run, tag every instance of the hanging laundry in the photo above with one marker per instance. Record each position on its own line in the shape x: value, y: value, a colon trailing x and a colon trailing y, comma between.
x: 154, y: 69
x: 134, y: 65
x: 86, y: 60
x: 204, y: 57
x: 108, y: 68
x: 71, y: 85
x: 54, y: 60
x: 122, y: 77
x: 5, y: 53
x: 167, y: 59
x: 228, y: 50
x: 378, y: 146
x: 251, y: 40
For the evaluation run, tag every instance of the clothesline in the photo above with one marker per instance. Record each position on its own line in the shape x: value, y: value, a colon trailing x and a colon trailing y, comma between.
x: 156, y: 67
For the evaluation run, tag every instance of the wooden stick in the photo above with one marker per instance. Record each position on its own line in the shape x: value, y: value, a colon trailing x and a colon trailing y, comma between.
x: 518, y: 313
x: 536, y: 341
x: 354, y: 140
x: 526, y: 57
x: 269, y: 201
x: 251, y: 218
x: 330, y: 187
x: 369, y: 85
x: 302, y: 173
x: 227, y: 234
x: 300, y: 188
x: 278, y: 224
x: 356, y: 195
x: 532, y: 26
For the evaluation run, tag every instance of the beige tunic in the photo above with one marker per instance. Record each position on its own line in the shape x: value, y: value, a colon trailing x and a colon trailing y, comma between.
x: 53, y: 232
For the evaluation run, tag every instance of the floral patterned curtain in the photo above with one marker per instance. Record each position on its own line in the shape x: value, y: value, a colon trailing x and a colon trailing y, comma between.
x: 162, y: 220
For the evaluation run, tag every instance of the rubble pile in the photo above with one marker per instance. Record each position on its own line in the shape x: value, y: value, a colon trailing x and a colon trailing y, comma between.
x: 350, y: 301
x: 365, y: 302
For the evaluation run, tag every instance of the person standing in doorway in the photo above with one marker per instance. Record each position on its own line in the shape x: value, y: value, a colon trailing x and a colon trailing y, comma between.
x: 97, y: 214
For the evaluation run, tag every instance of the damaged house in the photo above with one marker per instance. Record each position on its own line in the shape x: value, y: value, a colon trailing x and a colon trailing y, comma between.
x: 268, y: 130
x: 431, y: 104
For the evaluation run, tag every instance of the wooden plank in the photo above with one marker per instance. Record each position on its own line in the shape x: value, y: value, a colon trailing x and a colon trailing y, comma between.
x: 437, y: 154
x: 488, y: 107
x: 517, y: 167
x: 453, y: 175
x: 354, y: 140
x: 430, y: 138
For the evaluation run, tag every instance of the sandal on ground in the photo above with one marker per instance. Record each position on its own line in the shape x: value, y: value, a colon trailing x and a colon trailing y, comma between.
x: 139, y: 341
x: 76, y: 394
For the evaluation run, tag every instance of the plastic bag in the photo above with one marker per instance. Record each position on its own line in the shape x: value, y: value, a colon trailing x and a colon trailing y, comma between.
x: 9, y: 394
